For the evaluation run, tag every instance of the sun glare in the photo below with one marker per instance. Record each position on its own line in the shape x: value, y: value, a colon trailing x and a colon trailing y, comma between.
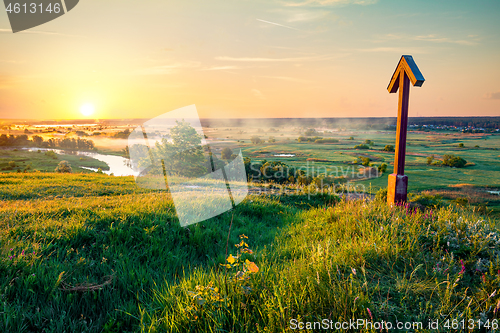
x: 87, y: 109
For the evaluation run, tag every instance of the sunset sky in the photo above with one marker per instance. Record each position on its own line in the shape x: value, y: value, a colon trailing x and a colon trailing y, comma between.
x: 252, y: 59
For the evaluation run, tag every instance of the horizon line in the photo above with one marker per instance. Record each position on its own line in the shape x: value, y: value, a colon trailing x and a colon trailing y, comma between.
x: 242, y: 118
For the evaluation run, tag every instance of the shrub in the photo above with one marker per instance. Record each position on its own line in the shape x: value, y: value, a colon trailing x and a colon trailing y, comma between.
x: 51, y: 154
x: 462, y: 201
x: 454, y: 161
x: 461, y: 145
x: 430, y: 159
x: 381, y: 195
x: 12, y: 164
x: 361, y: 147
x: 389, y: 148
x: 255, y: 140
x: 326, y: 140
x: 81, y: 133
x: 365, y: 161
x: 427, y: 200
x: 63, y: 167
x: 306, y: 139
x: 311, y: 132
x: 226, y: 153
x: 382, y: 168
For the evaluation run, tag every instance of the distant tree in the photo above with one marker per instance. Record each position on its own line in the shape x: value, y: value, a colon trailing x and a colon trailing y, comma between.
x: 454, y: 161
x: 12, y: 164
x: 382, y: 168
x: 365, y: 161
x: 37, y: 140
x: 64, y: 167
x: 81, y: 133
x: 389, y: 148
x: 226, y: 153
x: 122, y: 135
x: 351, y: 138
x: 368, y: 141
x: 461, y: 145
x: 361, y: 147
x: 272, y: 139
x: 255, y: 140
x: 430, y: 159
x: 182, y: 155
x: 310, y: 132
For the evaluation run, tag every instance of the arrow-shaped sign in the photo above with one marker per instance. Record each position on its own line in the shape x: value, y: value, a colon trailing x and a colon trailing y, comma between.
x: 406, y: 72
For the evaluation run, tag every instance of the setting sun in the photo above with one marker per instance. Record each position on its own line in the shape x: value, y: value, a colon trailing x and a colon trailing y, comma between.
x: 87, y: 109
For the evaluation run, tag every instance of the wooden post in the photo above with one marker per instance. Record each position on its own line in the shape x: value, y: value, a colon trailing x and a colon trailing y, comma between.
x: 405, y: 72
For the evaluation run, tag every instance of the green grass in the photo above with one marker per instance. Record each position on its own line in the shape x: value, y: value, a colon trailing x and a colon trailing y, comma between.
x: 40, y: 161
x: 41, y: 186
x: 114, y: 259
x: 485, y: 172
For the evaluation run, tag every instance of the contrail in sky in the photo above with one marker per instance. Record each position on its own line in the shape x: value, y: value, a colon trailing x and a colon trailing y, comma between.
x: 279, y: 25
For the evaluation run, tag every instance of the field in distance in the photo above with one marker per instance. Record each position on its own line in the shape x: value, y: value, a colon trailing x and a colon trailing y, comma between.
x: 318, y: 148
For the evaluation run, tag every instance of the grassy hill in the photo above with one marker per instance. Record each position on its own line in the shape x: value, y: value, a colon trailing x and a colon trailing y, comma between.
x: 92, y: 253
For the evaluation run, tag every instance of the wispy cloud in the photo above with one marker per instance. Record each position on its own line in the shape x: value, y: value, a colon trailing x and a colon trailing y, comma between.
x: 301, y: 15
x: 307, y: 15
x: 286, y: 78
x: 220, y: 68
x: 258, y: 94
x: 435, y: 38
x: 401, y: 50
x: 495, y: 95
x: 167, y: 69
x: 330, y: 3
x: 472, y: 39
x: 296, y: 59
x: 277, y: 24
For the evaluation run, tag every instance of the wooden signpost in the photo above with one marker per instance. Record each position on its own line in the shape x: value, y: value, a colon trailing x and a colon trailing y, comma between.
x: 406, y: 72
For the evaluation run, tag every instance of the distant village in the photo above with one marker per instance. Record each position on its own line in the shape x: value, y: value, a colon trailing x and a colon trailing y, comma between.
x: 463, y: 129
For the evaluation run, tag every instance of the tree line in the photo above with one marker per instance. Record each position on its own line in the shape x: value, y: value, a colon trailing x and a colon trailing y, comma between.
x: 38, y: 141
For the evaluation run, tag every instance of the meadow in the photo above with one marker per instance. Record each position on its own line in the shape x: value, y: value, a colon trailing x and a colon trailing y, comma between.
x: 24, y: 160
x: 473, y: 183
x: 88, y: 252
x: 91, y: 253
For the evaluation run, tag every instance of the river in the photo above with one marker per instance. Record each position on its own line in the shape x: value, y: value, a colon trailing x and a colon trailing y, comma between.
x: 117, y: 164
